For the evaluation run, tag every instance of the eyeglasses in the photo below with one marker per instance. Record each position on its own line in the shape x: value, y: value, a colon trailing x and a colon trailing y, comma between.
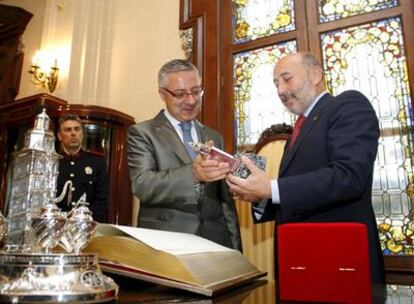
x: 198, y: 93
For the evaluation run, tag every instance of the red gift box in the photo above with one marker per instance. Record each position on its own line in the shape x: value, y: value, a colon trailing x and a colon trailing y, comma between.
x: 324, y: 262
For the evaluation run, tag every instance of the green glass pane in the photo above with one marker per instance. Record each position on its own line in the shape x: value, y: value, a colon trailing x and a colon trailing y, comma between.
x: 330, y: 10
x: 254, y: 19
x: 256, y: 103
x: 370, y: 58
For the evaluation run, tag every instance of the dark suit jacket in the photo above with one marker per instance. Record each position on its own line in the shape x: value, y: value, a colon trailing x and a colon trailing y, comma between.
x: 327, y: 175
x: 88, y: 175
x: 161, y: 176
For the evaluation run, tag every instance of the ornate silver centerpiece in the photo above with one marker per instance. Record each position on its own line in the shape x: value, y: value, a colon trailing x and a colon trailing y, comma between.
x: 41, y: 259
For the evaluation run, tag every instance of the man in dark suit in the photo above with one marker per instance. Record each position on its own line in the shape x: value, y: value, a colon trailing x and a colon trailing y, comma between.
x: 86, y: 170
x: 179, y: 191
x: 326, y: 173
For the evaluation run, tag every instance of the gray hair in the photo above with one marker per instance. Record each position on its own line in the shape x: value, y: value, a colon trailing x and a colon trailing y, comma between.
x: 174, y: 66
x: 310, y: 60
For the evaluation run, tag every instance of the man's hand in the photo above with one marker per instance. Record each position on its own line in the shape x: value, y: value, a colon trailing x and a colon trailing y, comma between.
x: 254, y: 188
x: 209, y: 170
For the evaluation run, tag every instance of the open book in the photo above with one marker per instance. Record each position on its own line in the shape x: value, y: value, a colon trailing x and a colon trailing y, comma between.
x: 173, y: 259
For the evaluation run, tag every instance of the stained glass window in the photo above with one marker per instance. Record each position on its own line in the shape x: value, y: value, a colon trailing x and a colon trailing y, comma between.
x: 256, y: 103
x: 330, y: 10
x: 253, y: 19
x: 370, y: 58
x: 400, y: 294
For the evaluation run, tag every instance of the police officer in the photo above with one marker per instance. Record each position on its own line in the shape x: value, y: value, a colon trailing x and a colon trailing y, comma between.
x: 86, y: 171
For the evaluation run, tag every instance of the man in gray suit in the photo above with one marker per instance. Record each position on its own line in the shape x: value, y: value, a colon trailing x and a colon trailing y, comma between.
x: 178, y: 190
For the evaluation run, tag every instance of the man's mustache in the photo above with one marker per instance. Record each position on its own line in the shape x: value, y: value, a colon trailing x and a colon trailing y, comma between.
x: 284, y: 97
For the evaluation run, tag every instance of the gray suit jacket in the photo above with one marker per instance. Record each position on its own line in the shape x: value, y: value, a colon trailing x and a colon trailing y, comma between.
x: 161, y: 176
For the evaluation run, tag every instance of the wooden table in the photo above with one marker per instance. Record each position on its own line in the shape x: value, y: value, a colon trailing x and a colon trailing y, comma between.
x: 261, y: 291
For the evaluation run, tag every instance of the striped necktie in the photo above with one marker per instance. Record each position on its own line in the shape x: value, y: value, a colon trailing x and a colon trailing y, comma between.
x: 186, y: 128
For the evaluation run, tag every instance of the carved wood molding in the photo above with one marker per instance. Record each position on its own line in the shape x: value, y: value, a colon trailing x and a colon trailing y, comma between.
x: 274, y: 132
x: 13, y: 21
x: 192, y: 33
x: 187, y: 37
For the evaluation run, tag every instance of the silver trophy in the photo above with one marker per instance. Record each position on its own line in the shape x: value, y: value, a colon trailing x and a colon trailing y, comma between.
x: 32, y: 269
x: 48, y: 226
x: 80, y: 227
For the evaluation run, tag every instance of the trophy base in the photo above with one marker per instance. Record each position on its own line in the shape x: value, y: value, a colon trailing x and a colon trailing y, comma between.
x: 53, y: 278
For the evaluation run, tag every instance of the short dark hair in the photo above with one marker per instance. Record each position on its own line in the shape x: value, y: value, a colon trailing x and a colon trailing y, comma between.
x: 174, y: 66
x: 66, y: 117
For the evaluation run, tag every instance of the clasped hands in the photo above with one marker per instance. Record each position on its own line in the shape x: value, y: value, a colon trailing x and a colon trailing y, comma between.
x: 255, y: 187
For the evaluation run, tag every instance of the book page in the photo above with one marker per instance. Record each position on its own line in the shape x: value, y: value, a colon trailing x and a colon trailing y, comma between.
x: 172, y: 242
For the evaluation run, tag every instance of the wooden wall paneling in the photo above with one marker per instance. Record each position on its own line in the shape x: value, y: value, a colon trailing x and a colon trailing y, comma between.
x: 120, y: 210
x: 196, y: 25
x: 226, y: 76
x: 13, y: 21
x: 301, y: 24
x: 203, y: 14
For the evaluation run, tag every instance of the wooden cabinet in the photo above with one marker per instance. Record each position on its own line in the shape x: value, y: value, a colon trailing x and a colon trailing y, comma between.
x: 105, y: 133
x: 13, y: 21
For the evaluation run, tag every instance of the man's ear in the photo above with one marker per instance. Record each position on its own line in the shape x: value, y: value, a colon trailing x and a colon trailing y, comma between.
x: 58, y: 136
x: 317, y: 75
x: 162, y: 94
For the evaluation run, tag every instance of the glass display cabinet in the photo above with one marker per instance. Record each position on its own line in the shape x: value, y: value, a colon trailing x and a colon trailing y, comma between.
x: 105, y: 135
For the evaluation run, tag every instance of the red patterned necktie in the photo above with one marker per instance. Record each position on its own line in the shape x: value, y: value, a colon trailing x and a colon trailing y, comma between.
x: 296, y: 130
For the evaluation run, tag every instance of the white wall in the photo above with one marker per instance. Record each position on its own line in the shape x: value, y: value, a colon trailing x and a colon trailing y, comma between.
x: 109, y: 51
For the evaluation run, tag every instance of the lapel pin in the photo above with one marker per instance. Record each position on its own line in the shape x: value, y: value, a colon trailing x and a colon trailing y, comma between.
x: 88, y: 170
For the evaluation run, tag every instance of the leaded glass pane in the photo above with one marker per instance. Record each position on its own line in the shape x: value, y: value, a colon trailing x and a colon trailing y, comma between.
x: 370, y: 58
x: 330, y: 10
x: 253, y: 19
x: 256, y: 103
x: 400, y: 294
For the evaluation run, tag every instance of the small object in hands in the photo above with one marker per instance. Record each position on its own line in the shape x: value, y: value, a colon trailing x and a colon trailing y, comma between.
x: 237, y: 167
x: 214, y: 153
x: 242, y: 171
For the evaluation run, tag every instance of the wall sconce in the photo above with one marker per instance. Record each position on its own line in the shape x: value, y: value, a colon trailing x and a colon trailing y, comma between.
x: 41, y: 77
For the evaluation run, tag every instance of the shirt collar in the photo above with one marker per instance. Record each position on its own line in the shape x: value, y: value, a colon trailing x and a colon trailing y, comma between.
x: 310, y: 108
x: 172, y: 120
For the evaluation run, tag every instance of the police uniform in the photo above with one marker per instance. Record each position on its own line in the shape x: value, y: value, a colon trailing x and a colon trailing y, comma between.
x: 88, y: 175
